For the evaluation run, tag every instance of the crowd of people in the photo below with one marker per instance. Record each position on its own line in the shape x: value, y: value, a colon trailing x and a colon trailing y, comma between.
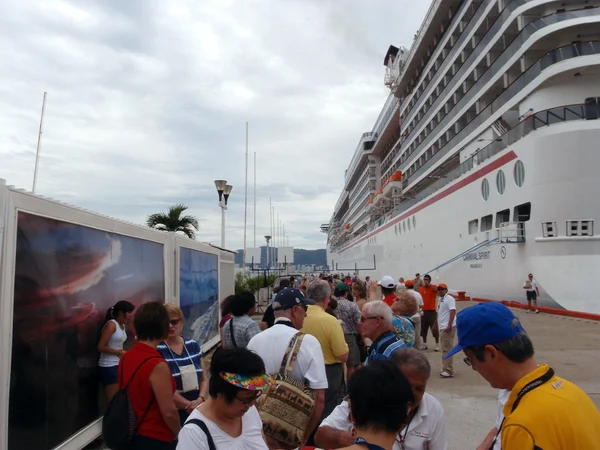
x: 336, y: 362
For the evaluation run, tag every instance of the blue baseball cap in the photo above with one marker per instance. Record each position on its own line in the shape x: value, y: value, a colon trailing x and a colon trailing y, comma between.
x: 287, y: 298
x: 484, y: 324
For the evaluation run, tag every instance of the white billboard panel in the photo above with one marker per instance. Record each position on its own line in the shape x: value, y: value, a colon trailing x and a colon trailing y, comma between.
x: 285, y: 255
x: 253, y: 255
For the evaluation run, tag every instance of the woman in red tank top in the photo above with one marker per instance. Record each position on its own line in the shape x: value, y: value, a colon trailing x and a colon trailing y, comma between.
x: 151, y: 390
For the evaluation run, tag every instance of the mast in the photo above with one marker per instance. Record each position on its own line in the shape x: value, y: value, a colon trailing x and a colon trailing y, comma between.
x: 39, y: 144
x: 245, y: 200
x: 254, y: 221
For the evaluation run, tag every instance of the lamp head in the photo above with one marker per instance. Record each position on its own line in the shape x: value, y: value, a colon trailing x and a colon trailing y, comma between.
x: 227, y: 191
x: 268, y: 238
x: 220, y: 184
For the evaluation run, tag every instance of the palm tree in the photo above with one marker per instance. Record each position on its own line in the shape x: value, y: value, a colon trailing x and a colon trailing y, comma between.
x: 173, y: 221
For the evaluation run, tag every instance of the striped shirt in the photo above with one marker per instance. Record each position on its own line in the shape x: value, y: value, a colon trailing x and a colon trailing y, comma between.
x: 191, y: 354
x: 384, y: 346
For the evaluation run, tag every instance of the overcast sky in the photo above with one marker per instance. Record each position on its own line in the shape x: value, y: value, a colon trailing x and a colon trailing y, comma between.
x: 148, y: 99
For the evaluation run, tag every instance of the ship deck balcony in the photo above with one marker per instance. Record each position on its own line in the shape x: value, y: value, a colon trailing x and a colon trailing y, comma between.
x: 436, y: 130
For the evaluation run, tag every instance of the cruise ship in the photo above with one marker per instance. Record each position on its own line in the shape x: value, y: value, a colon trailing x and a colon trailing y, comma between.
x: 484, y: 163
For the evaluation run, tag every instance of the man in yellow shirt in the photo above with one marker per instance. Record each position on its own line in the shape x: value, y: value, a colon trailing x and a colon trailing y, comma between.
x: 328, y: 331
x: 543, y: 411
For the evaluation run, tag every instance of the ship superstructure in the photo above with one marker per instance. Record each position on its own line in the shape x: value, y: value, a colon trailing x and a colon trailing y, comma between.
x: 482, y: 165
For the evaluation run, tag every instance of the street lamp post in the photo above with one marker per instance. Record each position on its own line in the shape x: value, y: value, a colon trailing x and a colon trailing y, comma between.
x: 268, y: 271
x: 223, y: 189
x: 268, y: 239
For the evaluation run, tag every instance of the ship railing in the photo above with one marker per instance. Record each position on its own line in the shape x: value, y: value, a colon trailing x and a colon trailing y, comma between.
x: 589, y: 111
x: 552, y: 57
x: 511, y: 232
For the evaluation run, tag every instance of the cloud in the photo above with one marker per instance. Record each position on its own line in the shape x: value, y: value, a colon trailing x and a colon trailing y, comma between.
x: 147, y: 103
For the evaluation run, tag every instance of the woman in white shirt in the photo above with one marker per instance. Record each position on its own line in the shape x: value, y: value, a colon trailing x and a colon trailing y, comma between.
x: 229, y: 418
x: 111, y: 343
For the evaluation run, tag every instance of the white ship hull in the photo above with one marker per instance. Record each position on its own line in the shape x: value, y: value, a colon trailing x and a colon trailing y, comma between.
x: 562, y: 183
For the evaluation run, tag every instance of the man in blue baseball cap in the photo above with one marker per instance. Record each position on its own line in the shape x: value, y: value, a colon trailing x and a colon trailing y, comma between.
x: 542, y: 411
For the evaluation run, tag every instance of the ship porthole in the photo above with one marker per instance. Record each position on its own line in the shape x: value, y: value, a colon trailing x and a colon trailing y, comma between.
x: 501, y: 182
x: 485, y: 189
x: 519, y: 173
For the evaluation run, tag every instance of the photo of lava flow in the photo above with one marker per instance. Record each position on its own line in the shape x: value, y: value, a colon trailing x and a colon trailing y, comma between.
x: 66, y: 278
x: 199, y: 294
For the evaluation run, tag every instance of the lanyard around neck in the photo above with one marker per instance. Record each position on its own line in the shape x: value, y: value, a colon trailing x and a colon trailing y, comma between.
x: 362, y: 441
x: 173, y: 355
x: 526, y: 389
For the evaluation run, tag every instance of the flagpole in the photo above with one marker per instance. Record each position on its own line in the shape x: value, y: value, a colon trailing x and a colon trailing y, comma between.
x: 39, y: 144
x: 271, y: 233
x: 254, y: 221
x: 246, y: 199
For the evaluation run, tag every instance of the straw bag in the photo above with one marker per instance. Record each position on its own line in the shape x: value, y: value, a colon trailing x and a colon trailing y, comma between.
x: 286, y: 407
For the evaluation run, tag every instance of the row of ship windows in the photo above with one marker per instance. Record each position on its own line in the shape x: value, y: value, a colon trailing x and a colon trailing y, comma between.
x: 521, y: 213
x: 573, y: 228
x: 420, y: 83
x: 518, y: 174
x: 402, y: 227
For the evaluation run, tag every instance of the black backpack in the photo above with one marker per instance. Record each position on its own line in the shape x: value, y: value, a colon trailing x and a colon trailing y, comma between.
x: 120, y: 424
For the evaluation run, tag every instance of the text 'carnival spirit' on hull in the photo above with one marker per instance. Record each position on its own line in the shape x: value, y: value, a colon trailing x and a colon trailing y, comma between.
x: 483, y: 164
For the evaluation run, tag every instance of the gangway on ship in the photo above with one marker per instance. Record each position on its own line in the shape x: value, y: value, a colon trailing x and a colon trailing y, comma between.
x: 511, y: 232
x: 466, y: 252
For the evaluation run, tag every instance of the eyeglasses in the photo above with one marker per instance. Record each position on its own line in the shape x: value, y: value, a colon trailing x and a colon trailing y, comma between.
x: 174, y: 322
x: 364, y: 319
x: 250, y: 401
x: 468, y: 361
x: 441, y: 289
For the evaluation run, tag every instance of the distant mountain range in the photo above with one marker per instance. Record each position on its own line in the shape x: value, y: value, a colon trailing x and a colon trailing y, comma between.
x: 301, y: 257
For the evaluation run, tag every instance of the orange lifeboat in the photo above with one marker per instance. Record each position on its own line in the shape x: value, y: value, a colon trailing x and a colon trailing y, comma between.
x: 394, y: 181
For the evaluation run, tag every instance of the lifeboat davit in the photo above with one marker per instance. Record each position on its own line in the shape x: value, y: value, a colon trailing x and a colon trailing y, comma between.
x: 378, y: 197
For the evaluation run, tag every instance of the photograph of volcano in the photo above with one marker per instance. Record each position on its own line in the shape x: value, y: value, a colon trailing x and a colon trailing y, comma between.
x: 66, y: 277
x: 199, y: 294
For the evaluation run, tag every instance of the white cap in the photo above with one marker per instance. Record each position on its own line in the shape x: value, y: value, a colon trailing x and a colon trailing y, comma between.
x: 387, y: 282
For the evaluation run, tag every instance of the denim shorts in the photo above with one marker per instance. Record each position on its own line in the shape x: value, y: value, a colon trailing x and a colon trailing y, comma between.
x: 108, y: 375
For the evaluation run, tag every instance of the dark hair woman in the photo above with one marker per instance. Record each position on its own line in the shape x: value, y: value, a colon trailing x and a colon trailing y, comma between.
x: 237, y: 378
x: 110, y: 345
x: 238, y: 330
x: 151, y: 386
x: 225, y: 313
x: 380, y: 400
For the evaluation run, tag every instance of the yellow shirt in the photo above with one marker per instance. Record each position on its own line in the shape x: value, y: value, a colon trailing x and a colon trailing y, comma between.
x: 557, y: 415
x: 328, y: 332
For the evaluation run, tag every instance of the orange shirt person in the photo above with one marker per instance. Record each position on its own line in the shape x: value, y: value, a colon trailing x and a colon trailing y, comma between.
x: 429, y: 320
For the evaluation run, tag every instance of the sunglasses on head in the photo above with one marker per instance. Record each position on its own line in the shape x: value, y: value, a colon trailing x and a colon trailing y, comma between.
x: 175, y: 321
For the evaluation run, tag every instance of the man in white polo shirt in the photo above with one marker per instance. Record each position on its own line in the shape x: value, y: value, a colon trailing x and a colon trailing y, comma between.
x: 289, y: 307
x: 447, y: 328
x: 426, y: 429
